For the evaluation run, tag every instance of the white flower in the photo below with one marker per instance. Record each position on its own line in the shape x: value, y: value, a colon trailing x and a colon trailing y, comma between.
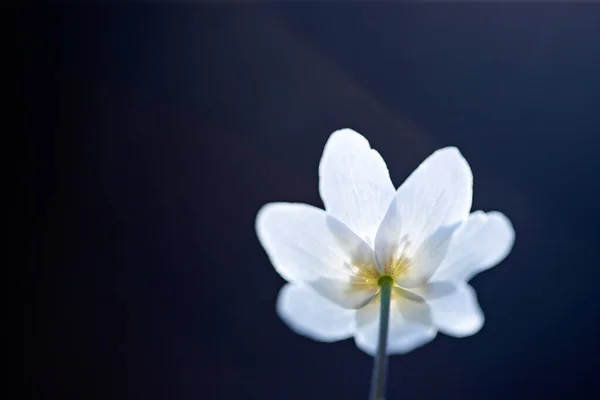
x: 421, y: 235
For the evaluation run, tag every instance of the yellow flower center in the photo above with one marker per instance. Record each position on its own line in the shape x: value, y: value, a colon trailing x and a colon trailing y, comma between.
x: 366, y: 274
x: 386, y: 280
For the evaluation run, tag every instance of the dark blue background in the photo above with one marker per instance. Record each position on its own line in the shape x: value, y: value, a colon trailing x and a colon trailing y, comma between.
x: 155, y: 133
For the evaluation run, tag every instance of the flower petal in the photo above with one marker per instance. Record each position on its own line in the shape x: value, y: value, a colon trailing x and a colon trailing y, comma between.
x: 354, y: 183
x: 427, y: 258
x: 352, y: 292
x: 313, y: 316
x: 360, y: 253
x: 435, y: 290
x: 482, y: 242
x: 426, y: 209
x: 458, y: 313
x: 348, y: 294
x: 299, y: 242
x: 410, y: 324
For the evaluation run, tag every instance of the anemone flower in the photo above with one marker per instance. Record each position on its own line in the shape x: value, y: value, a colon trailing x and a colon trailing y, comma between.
x: 387, y: 267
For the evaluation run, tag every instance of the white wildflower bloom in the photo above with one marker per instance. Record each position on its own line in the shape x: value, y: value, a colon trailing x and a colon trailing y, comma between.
x: 421, y: 235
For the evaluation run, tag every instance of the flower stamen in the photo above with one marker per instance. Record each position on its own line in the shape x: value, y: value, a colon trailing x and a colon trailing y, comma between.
x: 398, y: 266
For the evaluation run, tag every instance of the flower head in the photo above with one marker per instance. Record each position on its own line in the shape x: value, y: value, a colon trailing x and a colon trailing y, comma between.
x: 421, y: 236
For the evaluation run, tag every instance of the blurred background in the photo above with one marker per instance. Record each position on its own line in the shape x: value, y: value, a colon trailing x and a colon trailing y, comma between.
x: 155, y: 132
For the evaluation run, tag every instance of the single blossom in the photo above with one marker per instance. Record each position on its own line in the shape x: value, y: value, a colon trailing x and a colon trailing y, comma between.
x: 421, y: 235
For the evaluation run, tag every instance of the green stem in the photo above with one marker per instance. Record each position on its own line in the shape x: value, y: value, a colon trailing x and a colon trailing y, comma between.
x: 386, y: 283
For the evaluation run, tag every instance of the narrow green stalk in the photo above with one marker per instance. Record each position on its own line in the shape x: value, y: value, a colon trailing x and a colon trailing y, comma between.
x: 386, y: 283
